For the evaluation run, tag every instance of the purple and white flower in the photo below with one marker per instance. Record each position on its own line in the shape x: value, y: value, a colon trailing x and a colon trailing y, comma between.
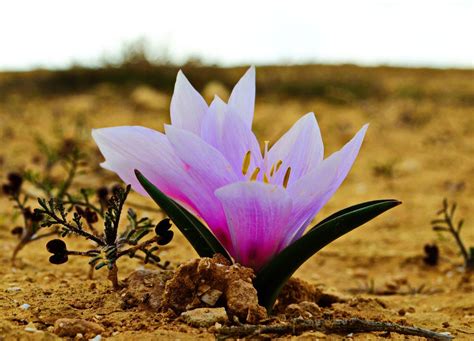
x: 210, y: 161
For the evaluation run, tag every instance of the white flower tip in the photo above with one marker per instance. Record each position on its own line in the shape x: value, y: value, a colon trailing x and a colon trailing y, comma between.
x: 181, y: 79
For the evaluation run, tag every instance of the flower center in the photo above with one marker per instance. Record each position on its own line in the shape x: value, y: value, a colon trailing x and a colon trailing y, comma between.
x: 267, y: 176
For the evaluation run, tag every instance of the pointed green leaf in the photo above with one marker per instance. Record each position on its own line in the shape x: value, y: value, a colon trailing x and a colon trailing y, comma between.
x: 200, y: 237
x: 350, y: 209
x: 271, y: 278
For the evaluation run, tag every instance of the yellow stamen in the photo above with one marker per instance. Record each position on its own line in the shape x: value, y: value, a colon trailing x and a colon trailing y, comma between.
x: 287, y: 177
x: 246, y: 163
x: 278, y: 165
x: 272, y: 170
x: 265, y: 179
x: 254, y: 175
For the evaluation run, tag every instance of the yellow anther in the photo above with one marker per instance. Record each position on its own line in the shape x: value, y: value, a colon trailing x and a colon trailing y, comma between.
x: 272, y: 170
x: 265, y: 178
x: 278, y: 165
x: 246, y: 163
x: 287, y: 177
x: 254, y: 175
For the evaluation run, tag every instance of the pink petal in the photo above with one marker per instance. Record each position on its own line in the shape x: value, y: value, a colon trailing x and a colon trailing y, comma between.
x: 242, y: 98
x: 187, y: 106
x: 226, y: 132
x: 128, y: 148
x: 208, y: 170
x: 257, y: 216
x: 301, y: 148
x: 312, y: 191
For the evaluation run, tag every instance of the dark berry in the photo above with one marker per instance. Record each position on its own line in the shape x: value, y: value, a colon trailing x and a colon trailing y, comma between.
x: 165, y: 237
x: 58, y: 259
x: 57, y: 246
x: 163, y: 226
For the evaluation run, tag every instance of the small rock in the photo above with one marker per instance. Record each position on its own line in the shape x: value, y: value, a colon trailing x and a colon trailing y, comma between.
x: 25, y: 306
x: 30, y: 328
x: 66, y: 327
x: 211, y: 297
x: 304, y: 309
x: 205, y: 317
x: 13, y: 289
x: 446, y: 324
x: 96, y: 338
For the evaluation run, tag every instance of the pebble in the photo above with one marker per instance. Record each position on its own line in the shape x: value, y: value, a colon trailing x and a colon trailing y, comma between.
x: 13, y: 289
x: 205, y: 317
x: 30, y: 328
x: 211, y: 297
x: 25, y: 306
x: 66, y: 327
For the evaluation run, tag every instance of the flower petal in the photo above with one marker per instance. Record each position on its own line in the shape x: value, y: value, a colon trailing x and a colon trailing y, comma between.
x: 207, y: 168
x: 128, y: 148
x: 187, y: 106
x: 312, y: 191
x: 257, y: 215
x: 226, y: 132
x: 301, y: 148
x: 242, y: 98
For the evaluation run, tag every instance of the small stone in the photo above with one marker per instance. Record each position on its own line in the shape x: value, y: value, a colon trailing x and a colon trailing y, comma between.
x: 96, y: 338
x: 211, y: 297
x: 402, y: 312
x: 411, y: 310
x: 25, y: 306
x: 202, y: 289
x: 304, y: 309
x: 66, y: 327
x: 205, y: 317
x: 30, y: 328
x: 13, y: 289
x: 446, y: 324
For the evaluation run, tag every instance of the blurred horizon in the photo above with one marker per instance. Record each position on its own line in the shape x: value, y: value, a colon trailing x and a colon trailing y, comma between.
x: 58, y: 35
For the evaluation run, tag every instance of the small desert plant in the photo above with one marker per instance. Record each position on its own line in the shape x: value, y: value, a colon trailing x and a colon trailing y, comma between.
x: 447, y: 223
x: 65, y: 155
x: 110, y: 244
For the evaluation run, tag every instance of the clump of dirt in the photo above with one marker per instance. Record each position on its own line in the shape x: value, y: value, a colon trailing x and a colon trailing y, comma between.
x: 297, y: 290
x: 198, y: 283
x: 144, y: 288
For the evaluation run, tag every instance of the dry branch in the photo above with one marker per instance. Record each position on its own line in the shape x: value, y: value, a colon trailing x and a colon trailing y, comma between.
x: 353, y: 325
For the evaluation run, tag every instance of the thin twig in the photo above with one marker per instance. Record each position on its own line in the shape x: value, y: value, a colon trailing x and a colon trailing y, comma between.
x: 353, y: 325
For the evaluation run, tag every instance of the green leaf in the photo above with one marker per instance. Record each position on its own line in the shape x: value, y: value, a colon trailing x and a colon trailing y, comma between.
x: 200, y: 237
x: 271, y: 278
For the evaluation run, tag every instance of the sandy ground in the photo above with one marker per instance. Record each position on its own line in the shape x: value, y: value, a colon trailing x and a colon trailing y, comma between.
x: 417, y: 151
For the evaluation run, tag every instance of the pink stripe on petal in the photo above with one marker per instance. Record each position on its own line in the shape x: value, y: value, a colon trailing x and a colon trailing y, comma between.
x: 257, y: 216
